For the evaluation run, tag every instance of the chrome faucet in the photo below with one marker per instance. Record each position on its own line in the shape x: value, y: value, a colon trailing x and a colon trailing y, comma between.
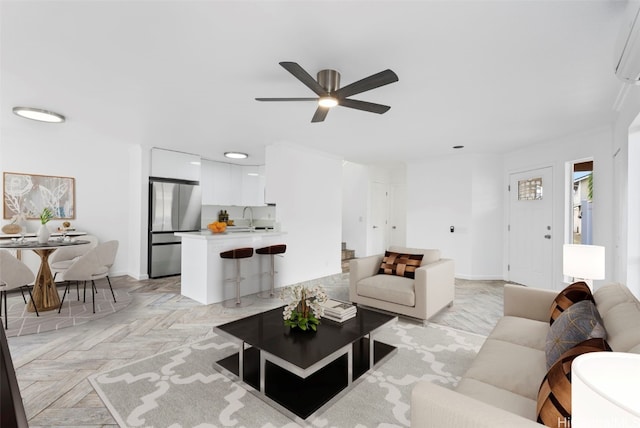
x: 251, y: 218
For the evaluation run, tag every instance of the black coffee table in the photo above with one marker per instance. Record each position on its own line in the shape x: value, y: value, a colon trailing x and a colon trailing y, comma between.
x: 303, y: 372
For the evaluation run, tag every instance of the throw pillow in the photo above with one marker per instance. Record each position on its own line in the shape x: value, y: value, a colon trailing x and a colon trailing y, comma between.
x: 576, y: 292
x: 581, y: 321
x: 400, y: 264
x: 554, y: 395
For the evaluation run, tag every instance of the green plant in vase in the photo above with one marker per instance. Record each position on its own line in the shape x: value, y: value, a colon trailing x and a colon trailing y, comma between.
x: 43, y: 232
x: 305, y: 307
x: 46, y: 215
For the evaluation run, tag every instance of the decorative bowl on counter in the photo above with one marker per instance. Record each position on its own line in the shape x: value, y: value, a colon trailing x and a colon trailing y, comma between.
x: 11, y: 228
x: 217, y: 227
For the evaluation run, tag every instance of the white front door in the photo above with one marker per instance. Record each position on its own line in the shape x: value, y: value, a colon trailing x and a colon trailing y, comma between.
x: 530, y: 231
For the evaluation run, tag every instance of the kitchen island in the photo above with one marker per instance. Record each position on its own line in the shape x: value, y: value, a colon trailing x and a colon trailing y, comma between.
x: 205, y: 274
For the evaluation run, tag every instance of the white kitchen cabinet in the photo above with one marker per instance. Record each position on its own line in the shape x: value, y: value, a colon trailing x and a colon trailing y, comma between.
x: 216, y: 183
x: 235, y: 184
x: 253, y: 185
x: 228, y: 184
x: 171, y: 164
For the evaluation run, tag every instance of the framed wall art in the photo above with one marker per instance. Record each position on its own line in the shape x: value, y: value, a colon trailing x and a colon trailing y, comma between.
x: 29, y: 194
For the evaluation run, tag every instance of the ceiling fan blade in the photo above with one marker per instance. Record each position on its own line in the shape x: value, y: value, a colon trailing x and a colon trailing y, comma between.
x: 320, y: 114
x: 304, y: 77
x: 286, y: 99
x: 364, y: 105
x: 374, y: 81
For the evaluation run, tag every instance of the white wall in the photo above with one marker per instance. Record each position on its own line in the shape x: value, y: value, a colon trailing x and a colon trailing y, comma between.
x: 101, y: 169
x: 306, y: 187
x: 139, y: 168
x: 357, y: 194
x: 596, y: 144
x: 487, y: 224
x: 355, y: 212
x: 463, y: 191
x: 633, y: 216
x: 624, y: 193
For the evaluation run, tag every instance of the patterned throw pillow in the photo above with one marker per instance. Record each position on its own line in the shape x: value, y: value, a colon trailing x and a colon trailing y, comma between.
x: 400, y: 264
x: 576, y: 292
x: 554, y: 395
x: 581, y: 321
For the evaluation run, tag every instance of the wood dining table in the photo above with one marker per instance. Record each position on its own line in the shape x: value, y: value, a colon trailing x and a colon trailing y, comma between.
x: 45, y: 294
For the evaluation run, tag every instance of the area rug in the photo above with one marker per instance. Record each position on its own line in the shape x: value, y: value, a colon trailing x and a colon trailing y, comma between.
x: 180, y: 388
x: 74, y: 311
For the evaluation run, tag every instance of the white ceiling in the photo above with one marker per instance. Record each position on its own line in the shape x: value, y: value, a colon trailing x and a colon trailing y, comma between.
x: 490, y: 75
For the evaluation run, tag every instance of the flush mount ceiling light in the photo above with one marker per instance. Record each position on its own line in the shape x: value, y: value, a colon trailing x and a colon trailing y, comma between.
x: 236, y: 155
x: 39, y: 114
x: 327, y: 102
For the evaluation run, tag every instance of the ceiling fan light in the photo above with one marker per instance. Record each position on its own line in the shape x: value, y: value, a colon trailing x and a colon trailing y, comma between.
x: 236, y: 155
x: 327, y: 102
x: 39, y: 114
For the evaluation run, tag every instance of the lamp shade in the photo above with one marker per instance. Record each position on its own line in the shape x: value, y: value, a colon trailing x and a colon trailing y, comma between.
x: 605, y: 387
x: 583, y: 261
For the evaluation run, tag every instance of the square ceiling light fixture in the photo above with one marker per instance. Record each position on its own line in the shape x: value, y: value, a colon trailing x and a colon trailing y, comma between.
x: 39, y: 114
x: 235, y: 155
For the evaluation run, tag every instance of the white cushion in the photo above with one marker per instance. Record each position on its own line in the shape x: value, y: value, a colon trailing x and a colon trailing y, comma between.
x: 521, y: 331
x: 516, y: 368
x: 623, y: 326
x: 498, y: 397
x: 389, y: 288
x: 610, y: 295
x: 63, y: 264
x: 102, y: 272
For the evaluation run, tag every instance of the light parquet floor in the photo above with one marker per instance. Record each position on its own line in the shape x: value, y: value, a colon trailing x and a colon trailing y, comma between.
x: 52, y: 367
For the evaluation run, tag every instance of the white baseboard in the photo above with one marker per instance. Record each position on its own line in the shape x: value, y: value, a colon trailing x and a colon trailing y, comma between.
x: 136, y: 277
x: 480, y: 277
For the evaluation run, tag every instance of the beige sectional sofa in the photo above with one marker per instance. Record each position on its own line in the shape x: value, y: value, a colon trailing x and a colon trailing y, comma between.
x: 432, y: 289
x: 501, y: 386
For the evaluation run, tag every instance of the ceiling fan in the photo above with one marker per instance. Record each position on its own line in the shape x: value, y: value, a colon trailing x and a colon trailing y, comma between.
x: 330, y: 94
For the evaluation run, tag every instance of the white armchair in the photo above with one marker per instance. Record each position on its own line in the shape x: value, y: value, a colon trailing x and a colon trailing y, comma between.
x: 432, y: 289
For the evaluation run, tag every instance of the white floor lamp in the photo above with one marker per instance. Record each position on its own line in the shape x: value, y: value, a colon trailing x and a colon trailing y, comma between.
x: 583, y: 262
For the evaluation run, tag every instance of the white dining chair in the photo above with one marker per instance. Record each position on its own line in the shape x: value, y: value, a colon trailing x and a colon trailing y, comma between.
x: 91, y: 266
x: 62, y: 258
x: 13, y: 274
x: 107, y: 255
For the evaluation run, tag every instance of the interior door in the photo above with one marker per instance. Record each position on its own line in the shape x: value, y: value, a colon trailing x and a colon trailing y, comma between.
x: 530, y: 228
x: 379, y: 215
x: 398, y: 215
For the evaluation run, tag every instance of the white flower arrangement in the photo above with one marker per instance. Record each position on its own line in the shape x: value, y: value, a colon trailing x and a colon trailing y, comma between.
x: 19, y: 218
x: 305, y: 309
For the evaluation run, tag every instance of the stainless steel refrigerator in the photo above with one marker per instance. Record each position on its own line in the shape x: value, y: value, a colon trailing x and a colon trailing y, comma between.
x: 174, y: 206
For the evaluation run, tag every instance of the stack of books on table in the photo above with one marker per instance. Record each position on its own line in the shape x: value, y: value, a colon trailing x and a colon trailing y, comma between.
x: 338, y: 311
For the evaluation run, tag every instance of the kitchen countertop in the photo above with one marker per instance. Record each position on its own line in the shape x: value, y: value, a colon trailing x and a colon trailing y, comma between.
x: 205, y: 234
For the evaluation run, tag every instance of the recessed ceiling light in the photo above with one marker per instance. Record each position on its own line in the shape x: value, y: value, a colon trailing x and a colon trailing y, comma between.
x: 252, y: 174
x: 327, y: 102
x: 194, y: 163
x: 236, y: 155
x: 458, y: 147
x: 38, y: 114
